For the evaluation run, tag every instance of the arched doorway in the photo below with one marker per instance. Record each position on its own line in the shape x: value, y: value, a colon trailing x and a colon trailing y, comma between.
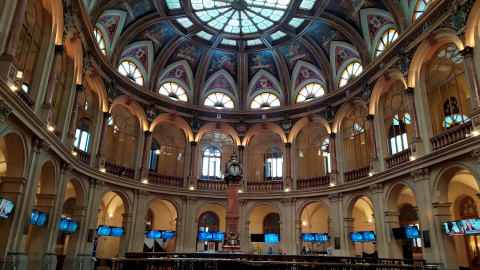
x: 315, y: 219
x: 161, y: 216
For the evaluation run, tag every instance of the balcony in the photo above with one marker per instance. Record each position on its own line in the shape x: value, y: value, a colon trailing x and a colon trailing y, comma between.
x: 172, y: 181
x: 451, y: 136
x: 398, y: 158
x: 212, y: 184
x: 315, y: 182
x: 265, y: 186
x: 25, y: 98
x: 119, y: 170
x: 356, y: 174
x: 82, y: 155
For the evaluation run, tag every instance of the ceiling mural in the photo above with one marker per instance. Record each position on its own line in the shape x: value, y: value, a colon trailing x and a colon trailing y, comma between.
x: 261, y: 61
x: 187, y: 39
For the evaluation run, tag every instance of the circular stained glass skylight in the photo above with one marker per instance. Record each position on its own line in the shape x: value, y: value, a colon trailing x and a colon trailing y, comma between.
x: 240, y: 16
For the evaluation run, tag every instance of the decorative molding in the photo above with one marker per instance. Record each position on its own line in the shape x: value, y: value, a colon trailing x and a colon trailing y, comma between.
x: 40, y: 144
x: 4, y: 112
x: 420, y: 174
x: 467, y: 52
x: 376, y: 188
x: 65, y: 166
x: 97, y: 183
x: 242, y: 202
x: 476, y: 155
x: 139, y: 193
x: 190, y: 199
x: 288, y: 201
x: 409, y: 91
x: 334, y: 197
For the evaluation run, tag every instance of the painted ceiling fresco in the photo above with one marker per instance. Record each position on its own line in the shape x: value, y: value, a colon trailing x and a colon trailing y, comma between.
x: 335, y: 33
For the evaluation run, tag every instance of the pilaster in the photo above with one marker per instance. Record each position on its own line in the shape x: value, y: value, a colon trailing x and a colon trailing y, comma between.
x: 336, y: 218
x: 288, y: 232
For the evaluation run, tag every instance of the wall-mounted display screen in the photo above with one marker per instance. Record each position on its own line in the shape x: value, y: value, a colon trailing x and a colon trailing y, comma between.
x: 6, y: 207
x: 356, y: 236
x: 399, y: 233
x: 471, y: 226
x: 218, y: 236
x: 72, y: 226
x: 63, y: 224
x: 42, y: 219
x: 167, y: 235
x: 205, y: 236
x: 368, y: 236
x: 153, y: 234
x: 104, y: 230
x: 321, y: 237
x: 412, y: 232
x: 34, y: 218
x: 255, y: 237
x: 271, y: 238
x: 117, y: 231
x: 453, y: 228
x: 308, y: 237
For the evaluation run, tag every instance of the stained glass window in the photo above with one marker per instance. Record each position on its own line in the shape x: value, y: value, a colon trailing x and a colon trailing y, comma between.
x: 296, y: 22
x: 219, y: 100
x: 204, y: 35
x: 173, y: 4
x: 186, y: 23
x: 310, y: 91
x: 388, y: 37
x: 265, y: 100
x: 212, y: 163
x: 174, y: 91
x: 350, y: 72
x: 277, y: 35
x: 421, y: 7
x: 230, y: 42
x: 254, y: 42
x: 131, y: 71
x: 100, y: 40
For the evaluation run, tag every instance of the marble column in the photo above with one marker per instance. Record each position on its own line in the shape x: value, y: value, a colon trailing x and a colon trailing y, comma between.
x: 74, y: 115
x: 333, y: 153
x: 467, y: 54
x: 16, y: 28
x: 373, y: 143
x: 75, y: 239
x: 127, y: 224
x: 146, y: 149
x: 288, y: 147
x: 103, y: 134
x: 193, y: 149
x: 412, y: 111
x: 240, y: 152
x: 52, y: 78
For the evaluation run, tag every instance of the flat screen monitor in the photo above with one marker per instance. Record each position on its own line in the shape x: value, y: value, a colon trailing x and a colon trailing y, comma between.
x: 72, y: 226
x: 203, y: 236
x: 321, y: 237
x: 63, y: 224
x: 356, y: 237
x: 412, y: 232
x: 218, y: 236
x: 399, y: 233
x: 271, y: 238
x: 34, y: 218
x: 104, y: 230
x: 6, y: 207
x: 153, y: 234
x: 308, y: 237
x: 453, y: 228
x: 255, y: 237
x: 168, y: 235
x: 117, y: 231
x: 368, y: 236
x: 42, y: 219
x: 471, y: 226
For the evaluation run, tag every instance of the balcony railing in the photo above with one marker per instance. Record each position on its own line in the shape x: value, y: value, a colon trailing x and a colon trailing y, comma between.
x: 119, y: 170
x: 315, y: 182
x: 451, y: 136
x: 265, y: 186
x: 212, y: 184
x: 398, y: 158
x: 356, y: 174
x: 25, y: 98
x: 82, y: 155
x: 166, y: 180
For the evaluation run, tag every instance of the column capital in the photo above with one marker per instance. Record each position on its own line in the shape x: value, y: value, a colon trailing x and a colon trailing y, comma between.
x: 4, y: 111
x: 288, y: 145
x: 190, y: 199
x: 476, y: 155
x: 288, y: 201
x: 193, y: 143
x: 467, y: 52
x: 79, y: 88
x: 335, y: 197
x: 409, y: 91
x: 332, y: 135
x: 241, y: 147
x: 243, y: 202
x: 59, y: 50
x: 376, y: 188
x: 148, y: 133
x: 106, y: 115
x: 139, y: 193
x: 420, y: 174
x: 96, y: 183
x: 40, y: 144
x: 370, y: 117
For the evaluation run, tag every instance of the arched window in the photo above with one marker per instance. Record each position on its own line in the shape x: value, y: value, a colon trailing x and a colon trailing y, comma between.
x: 219, y: 100
x: 173, y: 91
x: 264, y: 101
x: 357, y: 139
x: 212, y: 163
x: 82, y: 134
x: 421, y: 7
x: 313, y: 152
x: 100, y: 40
x: 388, y: 37
x: 30, y: 41
x: 350, y: 72
x: 310, y: 91
x: 273, y: 160
x: 168, y: 150
x: 209, y: 222
x: 447, y: 89
x: 397, y: 118
x: 131, y: 71
x: 121, y: 136
x: 271, y: 224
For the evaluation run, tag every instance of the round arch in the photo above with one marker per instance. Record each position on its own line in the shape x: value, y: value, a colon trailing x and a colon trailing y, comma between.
x: 305, y: 122
x: 383, y: 85
x: 263, y: 127
x: 344, y: 111
x: 175, y: 120
x: 15, y: 142
x: 443, y: 178
x: 217, y: 126
x: 134, y: 108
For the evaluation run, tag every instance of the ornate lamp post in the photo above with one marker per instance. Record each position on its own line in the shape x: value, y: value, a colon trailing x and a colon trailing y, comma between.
x: 233, y: 176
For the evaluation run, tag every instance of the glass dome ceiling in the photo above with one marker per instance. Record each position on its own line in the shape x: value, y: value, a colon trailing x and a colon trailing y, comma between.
x: 242, y: 17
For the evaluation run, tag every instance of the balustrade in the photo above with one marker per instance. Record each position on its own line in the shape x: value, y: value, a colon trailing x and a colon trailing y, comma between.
x: 451, y: 136
x: 155, y: 178
x: 25, y: 98
x: 82, y: 155
x: 212, y: 184
x: 265, y: 186
x: 356, y: 174
x: 398, y: 158
x: 119, y: 170
x: 315, y: 182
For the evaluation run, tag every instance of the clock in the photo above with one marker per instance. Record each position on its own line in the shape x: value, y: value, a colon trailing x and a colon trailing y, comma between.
x: 234, y: 169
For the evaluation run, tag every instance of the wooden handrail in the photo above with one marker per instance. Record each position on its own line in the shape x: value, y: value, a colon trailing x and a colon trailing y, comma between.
x: 265, y: 186
x: 82, y: 155
x: 321, y: 181
x: 451, y: 136
x: 119, y: 170
x: 25, y: 97
x: 356, y: 174
x: 173, y: 181
x: 212, y: 184
x: 398, y: 158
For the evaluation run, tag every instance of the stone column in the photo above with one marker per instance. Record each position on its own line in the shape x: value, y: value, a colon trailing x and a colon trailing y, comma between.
x: 192, y: 178
x: 16, y: 28
x: 75, y: 240
x: 446, y: 244
x: 146, y: 149
x: 188, y: 218
x: 127, y: 224
x: 333, y: 160
x: 243, y: 235
x: 373, y: 143
x: 394, y: 246
x: 103, y: 134
x: 289, y: 238
x: 336, y: 217
x: 136, y: 235
x: 287, y: 182
x: 52, y: 78
x: 178, y: 234
x: 380, y: 228
x: 349, y: 246
x: 74, y: 115
x: 467, y: 54
x: 415, y: 143
x: 240, y: 152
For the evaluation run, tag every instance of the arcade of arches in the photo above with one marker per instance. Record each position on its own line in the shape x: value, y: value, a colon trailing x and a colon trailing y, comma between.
x: 123, y: 113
